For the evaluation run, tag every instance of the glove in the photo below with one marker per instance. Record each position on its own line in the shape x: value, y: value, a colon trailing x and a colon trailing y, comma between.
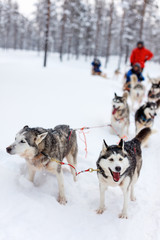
x: 140, y: 79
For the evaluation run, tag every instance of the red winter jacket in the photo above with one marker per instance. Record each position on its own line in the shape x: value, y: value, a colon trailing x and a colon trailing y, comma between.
x: 140, y: 55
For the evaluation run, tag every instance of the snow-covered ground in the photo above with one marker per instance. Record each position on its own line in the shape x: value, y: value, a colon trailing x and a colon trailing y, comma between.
x: 66, y: 93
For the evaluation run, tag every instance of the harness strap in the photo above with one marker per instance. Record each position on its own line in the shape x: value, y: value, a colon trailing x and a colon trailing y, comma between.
x: 145, y: 119
x: 118, y: 120
x: 101, y: 171
x: 152, y: 95
x: 69, y: 138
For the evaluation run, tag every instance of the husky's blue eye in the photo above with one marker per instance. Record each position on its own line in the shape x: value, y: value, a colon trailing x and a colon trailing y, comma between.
x: 121, y: 159
x: 22, y: 141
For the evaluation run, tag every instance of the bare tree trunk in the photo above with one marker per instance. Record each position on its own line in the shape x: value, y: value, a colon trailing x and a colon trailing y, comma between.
x: 98, y: 9
x: 8, y: 31
x: 77, y: 48
x: 61, y: 44
x: 15, y: 32
x: 109, y: 32
x: 127, y: 54
x: 62, y: 35
x: 21, y: 41
x: 142, y: 19
x: 69, y: 47
x: 47, y: 32
x: 121, y: 39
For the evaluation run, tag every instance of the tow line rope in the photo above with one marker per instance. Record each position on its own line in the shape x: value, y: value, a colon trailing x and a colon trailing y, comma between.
x: 84, y: 139
x: 76, y: 172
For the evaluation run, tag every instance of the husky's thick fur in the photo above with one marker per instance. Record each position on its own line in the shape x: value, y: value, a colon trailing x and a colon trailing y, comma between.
x: 137, y: 91
x: 144, y: 116
x: 39, y: 145
x: 154, y: 92
x: 120, y: 114
x: 120, y: 165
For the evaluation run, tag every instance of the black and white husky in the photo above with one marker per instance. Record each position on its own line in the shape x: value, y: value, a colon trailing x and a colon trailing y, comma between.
x: 120, y: 114
x: 39, y: 145
x: 144, y: 116
x: 154, y: 92
x: 120, y: 165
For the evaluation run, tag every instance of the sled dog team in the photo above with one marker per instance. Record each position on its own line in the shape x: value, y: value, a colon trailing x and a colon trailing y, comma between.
x: 144, y: 115
x: 117, y: 165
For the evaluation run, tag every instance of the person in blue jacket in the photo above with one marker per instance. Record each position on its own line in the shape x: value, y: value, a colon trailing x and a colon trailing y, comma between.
x: 96, y: 67
x: 136, y: 69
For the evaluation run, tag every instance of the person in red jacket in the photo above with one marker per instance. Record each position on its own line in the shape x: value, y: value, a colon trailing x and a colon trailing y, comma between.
x: 140, y: 55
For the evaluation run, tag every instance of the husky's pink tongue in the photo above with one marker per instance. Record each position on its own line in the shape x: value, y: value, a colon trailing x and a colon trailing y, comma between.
x: 116, y: 176
x: 114, y: 111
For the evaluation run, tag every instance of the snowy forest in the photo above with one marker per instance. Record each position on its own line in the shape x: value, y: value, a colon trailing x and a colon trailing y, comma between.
x: 75, y: 27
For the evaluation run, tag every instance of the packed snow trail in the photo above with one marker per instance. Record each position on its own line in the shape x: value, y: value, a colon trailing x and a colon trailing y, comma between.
x: 66, y: 93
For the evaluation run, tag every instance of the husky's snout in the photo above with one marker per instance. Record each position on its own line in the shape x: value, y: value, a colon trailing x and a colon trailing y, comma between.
x: 9, y: 149
x: 118, y: 169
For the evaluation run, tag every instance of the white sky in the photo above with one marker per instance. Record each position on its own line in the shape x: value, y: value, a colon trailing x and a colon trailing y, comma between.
x: 26, y: 6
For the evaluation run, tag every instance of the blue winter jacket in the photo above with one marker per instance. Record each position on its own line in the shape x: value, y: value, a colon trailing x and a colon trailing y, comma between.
x: 131, y: 72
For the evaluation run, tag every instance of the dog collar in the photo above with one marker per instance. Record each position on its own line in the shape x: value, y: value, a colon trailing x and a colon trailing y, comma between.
x: 101, y: 171
x: 119, y: 120
x: 152, y: 95
x: 145, y: 119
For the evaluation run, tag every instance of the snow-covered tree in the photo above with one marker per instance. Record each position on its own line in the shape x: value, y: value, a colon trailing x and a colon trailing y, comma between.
x: 82, y: 27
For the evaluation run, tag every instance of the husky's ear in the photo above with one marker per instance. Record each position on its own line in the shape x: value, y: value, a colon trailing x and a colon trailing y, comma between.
x: 125, y: 95
x: 121, y: 144
x: 115, y: 95
x: 145, y: 105
x: 40, y: 138
x: 104, y: 146
x: 25, y: 127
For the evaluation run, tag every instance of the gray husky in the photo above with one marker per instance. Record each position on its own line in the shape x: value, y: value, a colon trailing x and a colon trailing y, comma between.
x: 120, y: 165
x: 39, y: 145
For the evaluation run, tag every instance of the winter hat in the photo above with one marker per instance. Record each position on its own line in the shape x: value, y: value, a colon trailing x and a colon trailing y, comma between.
x: 140, y: 42
x: 96, y: 61
x: 137, y: 65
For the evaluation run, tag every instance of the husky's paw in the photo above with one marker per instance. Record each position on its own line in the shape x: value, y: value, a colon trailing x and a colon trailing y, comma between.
x: 123, y: 215
x: 62, y: 200
x: 100, y: 210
